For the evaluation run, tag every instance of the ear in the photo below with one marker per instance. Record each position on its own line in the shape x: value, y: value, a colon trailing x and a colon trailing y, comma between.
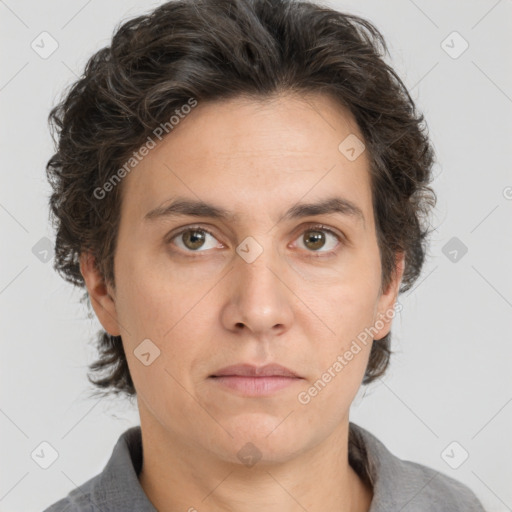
x: 386, y: 311
x: 102, y: 295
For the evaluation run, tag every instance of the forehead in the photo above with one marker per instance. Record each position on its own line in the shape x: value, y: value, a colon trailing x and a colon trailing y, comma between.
x: 254, y: 156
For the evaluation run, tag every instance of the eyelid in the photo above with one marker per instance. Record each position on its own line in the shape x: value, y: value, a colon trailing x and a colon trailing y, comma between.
x: 322, y: 227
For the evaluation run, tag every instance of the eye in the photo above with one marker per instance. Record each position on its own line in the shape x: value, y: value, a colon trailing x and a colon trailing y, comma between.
x: 192, y: 239
x: 320, y: 237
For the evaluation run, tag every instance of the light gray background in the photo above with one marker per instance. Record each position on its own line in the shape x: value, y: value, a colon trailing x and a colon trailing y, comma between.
x: 450, y: 379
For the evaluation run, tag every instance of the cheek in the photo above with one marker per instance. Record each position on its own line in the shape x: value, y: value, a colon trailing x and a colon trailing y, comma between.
x: 168, y: 306
x: 341, y: 345
x: 153, y: 295
x: 344, y: 295
x: 158, y: 318
x: 339, y: 313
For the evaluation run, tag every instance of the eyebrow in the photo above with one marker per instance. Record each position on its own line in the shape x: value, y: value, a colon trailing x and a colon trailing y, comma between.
x: 181, y: 206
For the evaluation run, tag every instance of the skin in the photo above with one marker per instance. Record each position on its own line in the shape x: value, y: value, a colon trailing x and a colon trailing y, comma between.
x: 208, y: 309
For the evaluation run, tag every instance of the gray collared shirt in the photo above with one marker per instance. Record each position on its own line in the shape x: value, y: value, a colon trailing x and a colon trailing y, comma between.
x: 397, y: 484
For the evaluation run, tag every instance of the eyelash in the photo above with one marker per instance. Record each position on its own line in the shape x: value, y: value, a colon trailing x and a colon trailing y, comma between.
x: 314, y: 254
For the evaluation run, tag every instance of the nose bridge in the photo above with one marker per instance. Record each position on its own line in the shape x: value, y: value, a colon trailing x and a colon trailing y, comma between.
x: 260, y: 298
x: 257, y: 266
x: 260, y: 271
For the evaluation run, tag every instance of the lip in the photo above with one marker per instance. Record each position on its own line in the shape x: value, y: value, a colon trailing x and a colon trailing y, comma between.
x: 248, y: 380
x: 248, y: 370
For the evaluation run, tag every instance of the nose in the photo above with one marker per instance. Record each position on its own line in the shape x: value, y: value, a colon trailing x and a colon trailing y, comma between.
x: 259, y: 298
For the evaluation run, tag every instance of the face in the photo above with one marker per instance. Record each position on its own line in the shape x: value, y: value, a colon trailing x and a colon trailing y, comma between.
x: 268, y: 282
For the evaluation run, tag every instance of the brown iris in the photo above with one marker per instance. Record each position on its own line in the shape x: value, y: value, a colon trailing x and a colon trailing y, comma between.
x: 193, y: 239
x: 317, y: 238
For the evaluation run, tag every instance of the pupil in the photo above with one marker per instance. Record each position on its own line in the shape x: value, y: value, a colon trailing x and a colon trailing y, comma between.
x: 317, y: 238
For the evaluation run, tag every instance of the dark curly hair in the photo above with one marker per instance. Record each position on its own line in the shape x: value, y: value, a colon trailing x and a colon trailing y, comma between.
x: 221, y: 49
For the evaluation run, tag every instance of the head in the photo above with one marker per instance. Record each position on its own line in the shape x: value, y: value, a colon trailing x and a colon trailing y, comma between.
x: 256, y: 108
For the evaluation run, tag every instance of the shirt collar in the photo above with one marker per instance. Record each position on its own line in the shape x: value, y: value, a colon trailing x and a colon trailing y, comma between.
x: 117, y: 487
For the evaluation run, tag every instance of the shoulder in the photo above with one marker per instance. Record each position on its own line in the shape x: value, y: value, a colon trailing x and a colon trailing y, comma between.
x: 399, y: 483
x: 116, y: 488
x: 78, y: 500
x: 437, y: 491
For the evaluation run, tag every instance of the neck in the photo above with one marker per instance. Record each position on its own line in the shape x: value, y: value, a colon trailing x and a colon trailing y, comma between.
x: 175, y: 476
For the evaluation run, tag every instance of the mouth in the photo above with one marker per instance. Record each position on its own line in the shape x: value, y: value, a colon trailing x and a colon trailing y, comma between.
x: 247, y: 370
x: 248, y: 380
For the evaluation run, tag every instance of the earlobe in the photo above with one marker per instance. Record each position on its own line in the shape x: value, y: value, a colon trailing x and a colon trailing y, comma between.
x: 100, y: 296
